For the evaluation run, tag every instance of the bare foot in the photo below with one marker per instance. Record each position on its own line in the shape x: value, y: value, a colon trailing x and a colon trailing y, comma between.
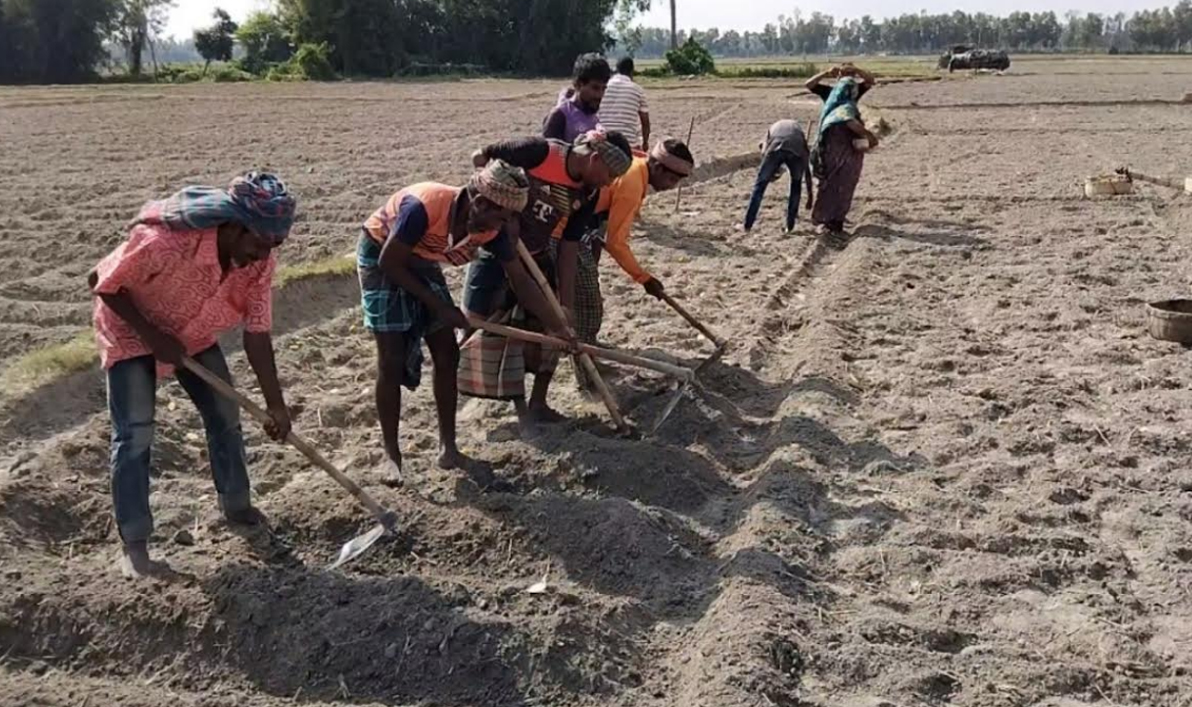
x: 544, y: 414
x: 134, y: 562
x: 532, y: 420
x: 391, y: 469
x: 248, y: 517
x: 451, y: 458
x: 391, y: 474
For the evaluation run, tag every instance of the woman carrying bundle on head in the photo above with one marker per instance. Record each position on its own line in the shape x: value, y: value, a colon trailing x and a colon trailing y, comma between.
x: 836, y: 160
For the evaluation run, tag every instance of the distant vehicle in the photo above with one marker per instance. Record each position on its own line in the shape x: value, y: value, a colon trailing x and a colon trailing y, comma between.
x: 961, y: 57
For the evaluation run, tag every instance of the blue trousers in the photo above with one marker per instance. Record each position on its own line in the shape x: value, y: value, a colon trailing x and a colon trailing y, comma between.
x: 765, y: 174
x: 132, y: 385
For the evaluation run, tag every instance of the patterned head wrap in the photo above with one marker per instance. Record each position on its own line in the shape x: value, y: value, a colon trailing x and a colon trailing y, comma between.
x: 841, y: 104
x: 676, y: 164
x: 503, y: 184
x: 617, y: 160
x: 258, y: 201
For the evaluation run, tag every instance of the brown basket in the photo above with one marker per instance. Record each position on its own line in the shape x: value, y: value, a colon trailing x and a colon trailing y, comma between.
x: 1170, y: 320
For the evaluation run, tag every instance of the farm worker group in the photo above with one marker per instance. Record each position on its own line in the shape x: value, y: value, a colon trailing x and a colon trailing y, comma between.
x: 530, y: 224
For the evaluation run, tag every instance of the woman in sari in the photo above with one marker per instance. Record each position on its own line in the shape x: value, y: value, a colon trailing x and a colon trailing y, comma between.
x: 836, y: 162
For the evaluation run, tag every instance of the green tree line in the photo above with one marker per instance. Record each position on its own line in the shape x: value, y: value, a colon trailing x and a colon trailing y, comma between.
x: 1165, y: 30
x: 56, y: 41
x: 63, y: 41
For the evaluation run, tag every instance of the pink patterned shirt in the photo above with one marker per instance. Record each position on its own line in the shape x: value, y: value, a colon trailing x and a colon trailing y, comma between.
x: 175, y: 280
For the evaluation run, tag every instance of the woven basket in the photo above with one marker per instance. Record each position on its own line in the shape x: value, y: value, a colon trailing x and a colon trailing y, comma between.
x: 1170, y: 320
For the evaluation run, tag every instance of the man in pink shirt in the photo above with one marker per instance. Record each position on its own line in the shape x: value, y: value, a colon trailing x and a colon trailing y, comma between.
x: 194, y: 265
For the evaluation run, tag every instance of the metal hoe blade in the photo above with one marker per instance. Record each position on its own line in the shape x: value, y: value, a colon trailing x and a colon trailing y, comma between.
x: 357, y: 546
x: 716, y: 355
x: 686, y: 385
x: 670, y: 407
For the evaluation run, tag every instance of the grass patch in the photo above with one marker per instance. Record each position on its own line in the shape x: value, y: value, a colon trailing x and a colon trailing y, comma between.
x: 740, y: 71
x: 791, y: 71
x: 40, y: 367
x: 337, y: 266
x: 784, y: 67
x: 52, y: 363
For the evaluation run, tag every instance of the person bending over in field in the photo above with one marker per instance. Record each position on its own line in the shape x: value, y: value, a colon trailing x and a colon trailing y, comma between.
x: 577, y: 111
x: 405, y: 298
x: 617, y: 208
x: 195, y: 264
x: 785, y: 146
x: 573, y: 174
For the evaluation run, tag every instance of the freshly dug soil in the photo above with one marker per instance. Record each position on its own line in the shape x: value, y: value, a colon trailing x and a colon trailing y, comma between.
x: 941, y: 462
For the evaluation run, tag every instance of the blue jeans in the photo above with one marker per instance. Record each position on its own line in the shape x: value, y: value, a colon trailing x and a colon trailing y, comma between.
x: 770, y: 165
x: 132, y: 385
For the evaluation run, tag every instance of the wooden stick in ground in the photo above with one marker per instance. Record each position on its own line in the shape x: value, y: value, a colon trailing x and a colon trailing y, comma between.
x: 1161, y: 181
x: 221, y: 386
x: 585, y: 360
x: 693, y: 321
x: 679, y: 196
x: 680, y: 372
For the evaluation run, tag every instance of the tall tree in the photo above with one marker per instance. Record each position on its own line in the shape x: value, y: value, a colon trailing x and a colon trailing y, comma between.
x: 265, y: 41
x: 55, y: 41
x: 140, y: 22
x: 674, y: 26
x: 215, y: 43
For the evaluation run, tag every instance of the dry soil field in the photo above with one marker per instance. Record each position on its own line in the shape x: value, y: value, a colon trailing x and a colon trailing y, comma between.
x: 941, y: 463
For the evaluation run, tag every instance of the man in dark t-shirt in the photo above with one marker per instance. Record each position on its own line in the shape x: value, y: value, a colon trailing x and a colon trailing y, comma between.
x: 564, y: 184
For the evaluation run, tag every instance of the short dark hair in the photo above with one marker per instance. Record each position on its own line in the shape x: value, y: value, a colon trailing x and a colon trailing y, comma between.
x: 679, y: 149
x: 625, y: 66
x: 591, y: 67
x: 620, y: 141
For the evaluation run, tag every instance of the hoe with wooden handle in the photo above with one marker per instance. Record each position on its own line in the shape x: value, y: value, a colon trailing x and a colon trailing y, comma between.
x: 386, y: 519
x: 681, y: 390
x: 681, y: 372
x: 720, y: 344
x: 585, y: 360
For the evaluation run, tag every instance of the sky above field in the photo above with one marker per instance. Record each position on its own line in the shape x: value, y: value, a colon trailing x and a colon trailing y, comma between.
x: 745, y: 15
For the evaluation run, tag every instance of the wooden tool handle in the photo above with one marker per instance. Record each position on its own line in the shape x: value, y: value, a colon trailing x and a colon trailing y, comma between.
x: 585, y: 360
x: 223, y: 388
x: 534, y: 337
x: 692, y: 320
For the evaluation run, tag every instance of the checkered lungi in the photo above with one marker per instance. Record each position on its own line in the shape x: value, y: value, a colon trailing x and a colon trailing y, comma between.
x: 390, y: 309
x: 492, y: 366
x: 588, y: 308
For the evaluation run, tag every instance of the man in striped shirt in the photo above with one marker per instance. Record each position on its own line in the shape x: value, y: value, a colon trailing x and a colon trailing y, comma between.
x: 624, y: 107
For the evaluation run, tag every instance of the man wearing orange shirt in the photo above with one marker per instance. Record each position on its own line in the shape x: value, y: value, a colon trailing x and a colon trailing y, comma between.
x: 668, y: 164
x: 405, y: 297
x: 194, y: 265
